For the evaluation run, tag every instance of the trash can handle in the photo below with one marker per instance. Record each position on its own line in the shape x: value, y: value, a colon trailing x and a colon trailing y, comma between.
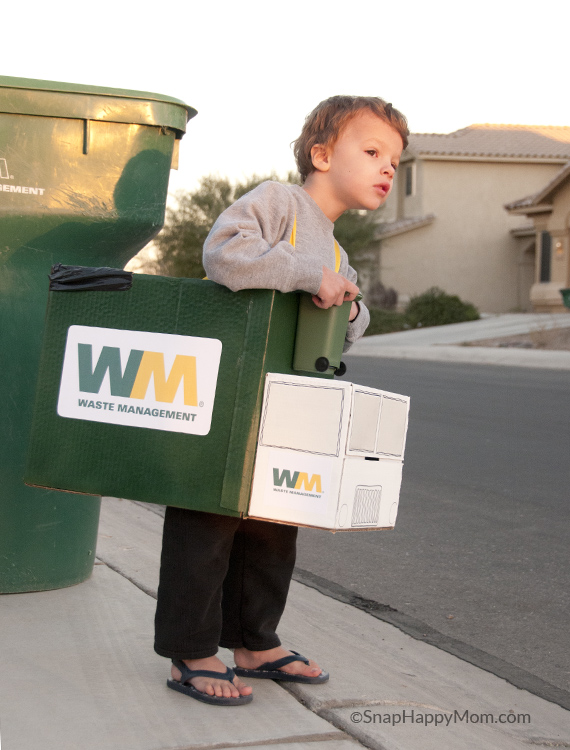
x: 83, y: 279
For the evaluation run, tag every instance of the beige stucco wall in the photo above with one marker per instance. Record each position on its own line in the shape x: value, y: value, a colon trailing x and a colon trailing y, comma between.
x: 468, y: 249
x: 559, y: 226
x: 398, y: 204
x: 545, y: 296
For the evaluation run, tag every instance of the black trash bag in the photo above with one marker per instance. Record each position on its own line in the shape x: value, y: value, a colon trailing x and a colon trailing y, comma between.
x: 83, y: 279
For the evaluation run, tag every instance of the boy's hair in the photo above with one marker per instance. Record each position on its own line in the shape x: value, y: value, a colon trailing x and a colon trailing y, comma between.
x: 326, y: 121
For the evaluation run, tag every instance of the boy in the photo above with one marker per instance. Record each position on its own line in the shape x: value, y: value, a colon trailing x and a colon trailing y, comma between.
x: 275, y: 237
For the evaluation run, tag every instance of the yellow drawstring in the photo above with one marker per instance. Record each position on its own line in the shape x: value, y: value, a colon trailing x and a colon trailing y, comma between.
x: 336, y: 245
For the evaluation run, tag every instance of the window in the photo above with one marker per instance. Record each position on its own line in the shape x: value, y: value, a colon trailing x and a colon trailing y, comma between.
x: 302, y: 417
x: 410, y: 179
x: 545, y: 255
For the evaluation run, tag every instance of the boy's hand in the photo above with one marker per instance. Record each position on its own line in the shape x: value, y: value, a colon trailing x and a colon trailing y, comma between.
x: 334, y: 290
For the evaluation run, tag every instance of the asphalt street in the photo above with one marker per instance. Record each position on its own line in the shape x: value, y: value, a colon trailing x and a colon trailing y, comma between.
x: 480, y: 548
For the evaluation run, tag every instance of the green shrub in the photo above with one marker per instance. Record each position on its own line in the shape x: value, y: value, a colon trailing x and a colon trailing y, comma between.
x: 436, y: 308
x: 432, y: 308
x: 385, y: 321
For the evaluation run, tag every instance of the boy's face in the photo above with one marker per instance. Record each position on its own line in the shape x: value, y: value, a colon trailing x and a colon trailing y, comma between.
x: 360, y: 166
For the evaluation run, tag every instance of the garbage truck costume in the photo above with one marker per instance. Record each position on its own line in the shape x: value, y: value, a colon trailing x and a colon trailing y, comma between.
x: 275, y: 237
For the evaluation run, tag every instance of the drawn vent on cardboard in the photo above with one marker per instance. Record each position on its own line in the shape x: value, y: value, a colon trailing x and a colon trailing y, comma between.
x: 366, y: 506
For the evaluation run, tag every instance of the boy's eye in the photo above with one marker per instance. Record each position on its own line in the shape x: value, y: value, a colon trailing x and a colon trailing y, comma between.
x: 372, y: 152
x: 395, y: 167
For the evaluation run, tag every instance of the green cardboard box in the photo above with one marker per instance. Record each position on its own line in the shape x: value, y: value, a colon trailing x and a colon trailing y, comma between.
x: 154, y: 392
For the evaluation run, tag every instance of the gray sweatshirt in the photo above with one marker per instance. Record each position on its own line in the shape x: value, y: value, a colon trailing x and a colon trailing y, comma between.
x: 249, y: 246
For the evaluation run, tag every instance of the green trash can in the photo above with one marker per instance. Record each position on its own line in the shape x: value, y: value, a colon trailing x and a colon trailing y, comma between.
x: 565, y: 297
x: 83, y: 181
x: 320, y: 337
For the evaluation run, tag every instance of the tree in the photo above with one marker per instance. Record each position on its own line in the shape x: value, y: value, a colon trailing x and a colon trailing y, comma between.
x: 179, y: 245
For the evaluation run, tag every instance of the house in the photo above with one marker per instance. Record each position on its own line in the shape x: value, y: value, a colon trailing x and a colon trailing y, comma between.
x: 445, y: 224
x: 549, y: 212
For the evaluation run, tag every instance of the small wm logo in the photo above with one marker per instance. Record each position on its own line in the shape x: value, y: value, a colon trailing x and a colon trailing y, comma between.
x: 297, y: 480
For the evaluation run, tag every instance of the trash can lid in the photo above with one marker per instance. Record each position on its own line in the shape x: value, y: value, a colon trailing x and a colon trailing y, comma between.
x: 27, y: 96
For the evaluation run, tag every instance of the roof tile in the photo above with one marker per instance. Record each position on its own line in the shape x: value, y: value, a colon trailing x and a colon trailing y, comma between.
x: 536, y: 198
x: 392, y: 228
x: 513, y: 141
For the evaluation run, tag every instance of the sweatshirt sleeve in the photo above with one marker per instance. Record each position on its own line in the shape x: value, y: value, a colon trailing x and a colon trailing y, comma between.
x: 359, y: 325
x: 246, y: 250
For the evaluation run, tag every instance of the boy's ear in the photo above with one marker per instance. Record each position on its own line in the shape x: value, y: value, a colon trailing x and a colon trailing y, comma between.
x: 320, y: 157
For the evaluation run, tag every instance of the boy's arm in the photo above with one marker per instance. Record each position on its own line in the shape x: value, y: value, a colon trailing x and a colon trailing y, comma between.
x: 244, y: 249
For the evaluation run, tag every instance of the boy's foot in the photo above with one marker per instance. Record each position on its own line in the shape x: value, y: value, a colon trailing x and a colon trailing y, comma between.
x: 209, y: 685
x: 253, y: 659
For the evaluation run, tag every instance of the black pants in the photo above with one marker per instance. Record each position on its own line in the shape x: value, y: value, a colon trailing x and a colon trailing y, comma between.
x: 223, y: 582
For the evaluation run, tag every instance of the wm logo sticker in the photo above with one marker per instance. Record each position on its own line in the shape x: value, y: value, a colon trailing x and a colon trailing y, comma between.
x: 297, y: 480
x: 140, y: 368
x: 129, y: 378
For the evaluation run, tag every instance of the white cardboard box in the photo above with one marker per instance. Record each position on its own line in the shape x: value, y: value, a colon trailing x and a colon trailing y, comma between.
x: 329, y: 454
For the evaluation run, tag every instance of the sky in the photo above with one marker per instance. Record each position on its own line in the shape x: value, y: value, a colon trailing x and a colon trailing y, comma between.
x: 254, y: 69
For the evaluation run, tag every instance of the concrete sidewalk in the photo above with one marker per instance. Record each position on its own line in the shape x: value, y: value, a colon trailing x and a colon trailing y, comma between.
x: 447, y: 343
x: 78, y: 671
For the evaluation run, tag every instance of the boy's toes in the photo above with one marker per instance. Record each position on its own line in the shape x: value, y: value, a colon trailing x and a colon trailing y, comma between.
x: 299, y: 667
x: 225, y: 689
x: 241, y: 688
x: 233, y: 691
x: 229, y: 691
x: 209, y: 689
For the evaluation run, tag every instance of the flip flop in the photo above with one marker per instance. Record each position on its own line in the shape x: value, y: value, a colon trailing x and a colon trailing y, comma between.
x: 187, y: 674
x: 271, y: 671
